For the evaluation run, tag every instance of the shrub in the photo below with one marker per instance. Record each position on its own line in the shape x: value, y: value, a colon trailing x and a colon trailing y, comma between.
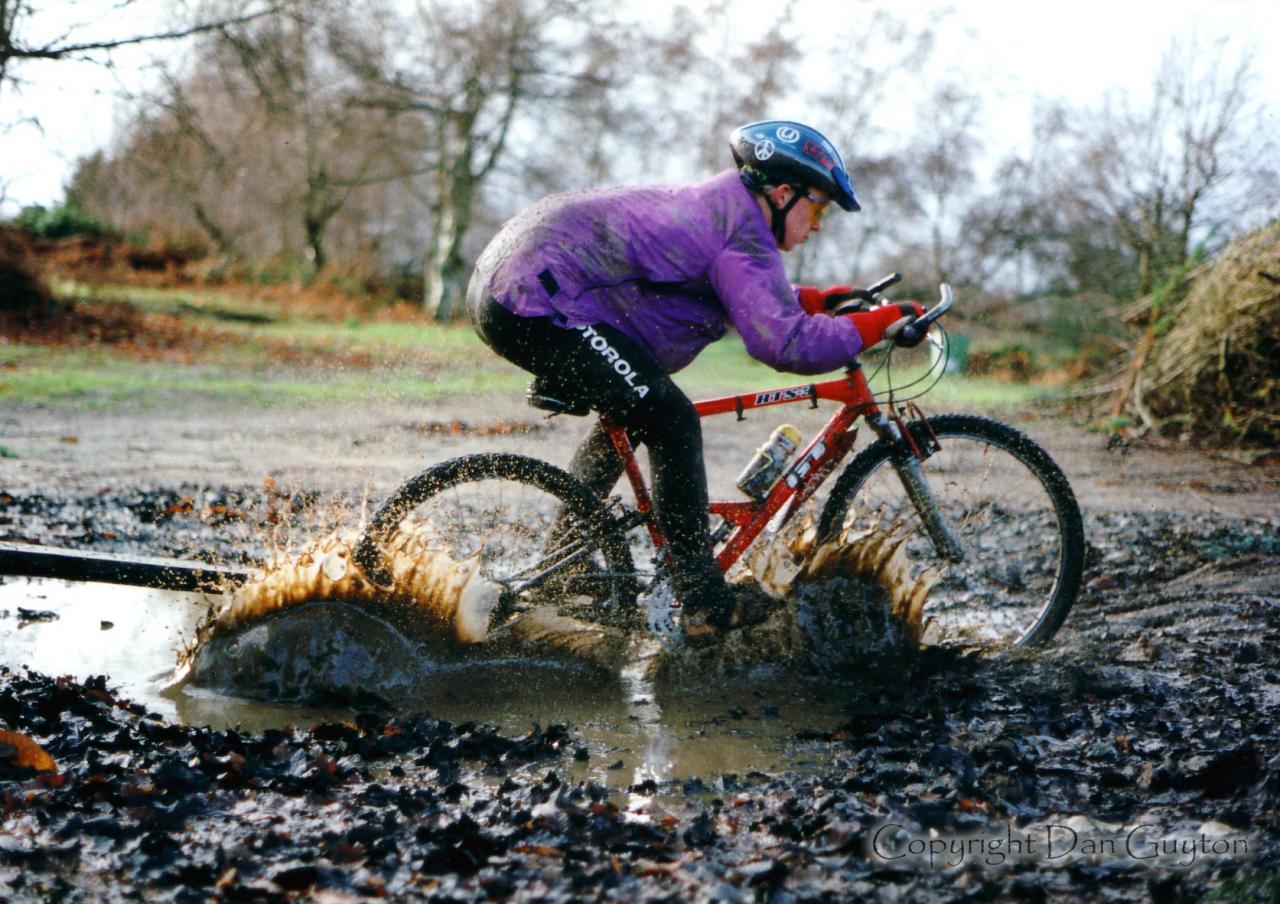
x: 1210, y: 363
x: 61, y: 221
x: 22, y: 288
x: 1012, y: 362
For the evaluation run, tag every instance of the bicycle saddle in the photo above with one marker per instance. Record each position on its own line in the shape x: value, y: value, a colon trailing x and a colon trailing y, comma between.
x: 551, y: 396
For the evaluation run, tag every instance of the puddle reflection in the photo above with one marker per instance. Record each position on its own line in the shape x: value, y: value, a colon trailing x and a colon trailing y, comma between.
x: 632, y: 735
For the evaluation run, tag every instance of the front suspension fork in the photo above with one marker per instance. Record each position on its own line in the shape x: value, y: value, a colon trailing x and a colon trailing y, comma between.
x: 905, y: 456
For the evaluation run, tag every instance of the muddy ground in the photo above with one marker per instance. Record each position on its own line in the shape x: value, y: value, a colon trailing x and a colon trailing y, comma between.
x: 1136, y: 759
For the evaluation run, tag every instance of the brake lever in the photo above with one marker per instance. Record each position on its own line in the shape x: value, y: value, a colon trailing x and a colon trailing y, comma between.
x: 879, y: 286
x: 859, y: 300
x: 909, y: 335
x: 858, y: 305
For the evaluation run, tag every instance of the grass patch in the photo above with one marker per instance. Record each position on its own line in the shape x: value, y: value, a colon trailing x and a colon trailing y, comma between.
x: 199, y: 305
x: 95, y: 379
x: 256, y: 323
x: 262, y: 351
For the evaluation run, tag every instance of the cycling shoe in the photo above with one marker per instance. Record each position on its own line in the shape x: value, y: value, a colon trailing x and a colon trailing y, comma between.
x: 749, y: 605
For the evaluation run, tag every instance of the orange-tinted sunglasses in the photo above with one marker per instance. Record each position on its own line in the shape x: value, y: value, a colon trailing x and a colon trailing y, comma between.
x: 820, y: 205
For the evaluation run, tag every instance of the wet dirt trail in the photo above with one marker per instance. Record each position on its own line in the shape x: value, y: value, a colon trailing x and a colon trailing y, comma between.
x: 1135, y: 759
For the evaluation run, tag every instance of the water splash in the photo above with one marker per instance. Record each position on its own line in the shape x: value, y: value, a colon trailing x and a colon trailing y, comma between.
x: 843, y: 597
x: 427, y: 585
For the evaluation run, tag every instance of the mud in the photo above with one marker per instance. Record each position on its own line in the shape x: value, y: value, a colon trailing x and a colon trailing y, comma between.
x: 1140, y: 751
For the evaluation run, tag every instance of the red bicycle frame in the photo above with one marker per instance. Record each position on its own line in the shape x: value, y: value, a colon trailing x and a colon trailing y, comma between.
x: 811, y: 467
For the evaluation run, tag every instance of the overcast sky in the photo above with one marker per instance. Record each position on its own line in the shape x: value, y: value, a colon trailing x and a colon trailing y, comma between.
x: 1016, y: 51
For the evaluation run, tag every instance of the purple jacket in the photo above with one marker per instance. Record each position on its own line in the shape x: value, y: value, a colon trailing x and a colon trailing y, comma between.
x: 669, y: 266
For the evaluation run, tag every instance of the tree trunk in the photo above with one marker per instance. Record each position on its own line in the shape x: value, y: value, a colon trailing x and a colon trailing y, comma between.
x: 437, y: 300
x: 224, y: 241
x: 1144, y: 269
x: 445, y: 272
x: 314, y: 226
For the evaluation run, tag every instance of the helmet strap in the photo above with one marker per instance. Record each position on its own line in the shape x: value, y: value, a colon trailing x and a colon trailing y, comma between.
x: 779, y: 218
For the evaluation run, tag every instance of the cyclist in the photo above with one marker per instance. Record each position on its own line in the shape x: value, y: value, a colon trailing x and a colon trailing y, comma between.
x: 603, y: 294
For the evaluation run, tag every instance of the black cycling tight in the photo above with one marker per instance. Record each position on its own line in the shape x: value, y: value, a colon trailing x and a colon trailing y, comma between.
x: 600, y: 366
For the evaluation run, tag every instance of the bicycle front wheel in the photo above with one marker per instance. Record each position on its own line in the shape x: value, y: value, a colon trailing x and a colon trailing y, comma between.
x: 536, y: 530
x: 995, y: 523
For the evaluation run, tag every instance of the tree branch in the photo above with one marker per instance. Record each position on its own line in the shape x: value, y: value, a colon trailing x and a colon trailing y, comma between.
x: 52, y: 52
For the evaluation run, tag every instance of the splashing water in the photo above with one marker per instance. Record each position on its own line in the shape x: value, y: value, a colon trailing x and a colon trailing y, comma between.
x: 837, y: 599
x: 426, y: 583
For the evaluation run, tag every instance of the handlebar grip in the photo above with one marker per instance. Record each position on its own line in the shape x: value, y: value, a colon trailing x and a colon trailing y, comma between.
x: 883, y: 283
x: 910, y: 335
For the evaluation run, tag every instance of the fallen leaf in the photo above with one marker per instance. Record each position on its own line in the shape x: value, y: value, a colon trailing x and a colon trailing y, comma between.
x: 540, y: 850
x: 26, y: 752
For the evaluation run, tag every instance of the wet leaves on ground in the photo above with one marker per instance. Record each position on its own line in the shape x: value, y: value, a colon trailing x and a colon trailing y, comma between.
x: 1093, y: 735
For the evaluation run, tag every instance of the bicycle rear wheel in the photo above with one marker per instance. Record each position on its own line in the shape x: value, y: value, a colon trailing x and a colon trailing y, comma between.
x: 537, y: 531
x: 1008, y: 507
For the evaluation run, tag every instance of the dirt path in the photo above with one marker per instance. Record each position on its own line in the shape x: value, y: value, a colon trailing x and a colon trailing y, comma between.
x: 1157, y: 706
x: 376, y: 447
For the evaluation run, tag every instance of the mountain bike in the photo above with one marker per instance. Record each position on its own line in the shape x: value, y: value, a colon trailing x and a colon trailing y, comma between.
x: 973, y: 500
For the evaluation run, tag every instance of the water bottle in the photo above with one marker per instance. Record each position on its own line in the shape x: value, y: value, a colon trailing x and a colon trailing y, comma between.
x: 766, y: 467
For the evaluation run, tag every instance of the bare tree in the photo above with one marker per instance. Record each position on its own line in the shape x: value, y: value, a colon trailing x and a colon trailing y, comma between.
x: 16, y: 17
x: 1151, y: 180
x: 472, y: 70
x: 332, y: 146
x: 865, y: 67
x: 934, y: 187
x: 259, y: 143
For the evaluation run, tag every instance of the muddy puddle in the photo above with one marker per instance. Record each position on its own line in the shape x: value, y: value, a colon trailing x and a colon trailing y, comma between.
x: 131, y: 634
x: 1143, y: 748
x: 137, y: 636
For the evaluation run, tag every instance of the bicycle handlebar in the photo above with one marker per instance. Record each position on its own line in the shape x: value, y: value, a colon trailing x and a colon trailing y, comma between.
x: 915, y: 330
x: 878, y: 287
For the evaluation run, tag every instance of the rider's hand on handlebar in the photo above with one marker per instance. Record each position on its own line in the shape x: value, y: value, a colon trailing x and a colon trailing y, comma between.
x: 897, y: 332
x: 885, y: 322
x: 823, y: 301
x: 856, y: 300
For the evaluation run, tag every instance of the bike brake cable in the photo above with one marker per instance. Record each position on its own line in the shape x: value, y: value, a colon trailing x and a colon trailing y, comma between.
x: 936, y: 370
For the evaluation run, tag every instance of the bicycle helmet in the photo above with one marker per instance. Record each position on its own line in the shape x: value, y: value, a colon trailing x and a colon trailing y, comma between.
x: 781, y: 152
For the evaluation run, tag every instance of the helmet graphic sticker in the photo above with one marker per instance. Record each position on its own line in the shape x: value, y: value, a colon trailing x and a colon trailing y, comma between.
x: 815, y: 151
x: 782, y: 152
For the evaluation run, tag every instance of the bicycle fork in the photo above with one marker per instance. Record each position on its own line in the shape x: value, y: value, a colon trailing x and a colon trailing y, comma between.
x: 905, y: 458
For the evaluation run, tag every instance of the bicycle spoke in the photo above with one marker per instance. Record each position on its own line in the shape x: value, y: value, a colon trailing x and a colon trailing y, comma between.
x: 528, y: 526
x: 1005, y: 507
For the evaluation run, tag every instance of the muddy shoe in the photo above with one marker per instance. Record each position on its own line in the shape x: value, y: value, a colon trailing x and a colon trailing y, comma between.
x: 750, y: 605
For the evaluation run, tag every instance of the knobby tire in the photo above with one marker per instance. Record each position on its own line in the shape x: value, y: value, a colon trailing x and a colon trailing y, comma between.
x: 1013, y: 509
x: 484, y: 520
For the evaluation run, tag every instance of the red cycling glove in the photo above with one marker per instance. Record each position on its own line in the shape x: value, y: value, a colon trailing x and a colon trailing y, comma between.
x: 818, y: 301
x: 871, y: 325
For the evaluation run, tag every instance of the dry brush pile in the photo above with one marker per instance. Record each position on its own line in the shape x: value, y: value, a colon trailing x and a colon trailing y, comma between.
x: 1209, y: 362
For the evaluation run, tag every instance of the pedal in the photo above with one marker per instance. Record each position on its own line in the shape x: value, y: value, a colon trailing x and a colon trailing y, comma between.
x: 659, y: 611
